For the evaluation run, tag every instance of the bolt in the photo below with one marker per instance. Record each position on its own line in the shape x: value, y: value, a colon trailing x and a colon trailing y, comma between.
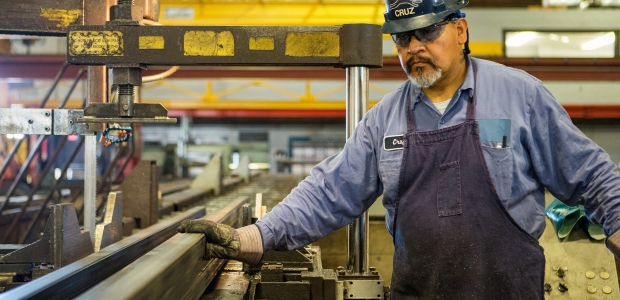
x: 562, y: 288
x: 47, y: 129
x: 372, y: 269
x: 125, y: 107
x: 125, y: 89
x: 47, y: 114
x: 560, y: 272
x: 340, y: 268
x: 129, y: 2
x: 70, y: 121
x: 547, y: 287
x: 30, y: 121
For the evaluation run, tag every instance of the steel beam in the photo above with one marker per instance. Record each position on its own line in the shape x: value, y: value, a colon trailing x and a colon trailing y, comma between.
x: 340, y: 46
x: 43, y: 17
x: 73, y: 279
x: 174, y: 270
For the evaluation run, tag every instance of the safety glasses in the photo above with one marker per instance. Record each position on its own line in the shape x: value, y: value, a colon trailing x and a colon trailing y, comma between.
x: 424, y: 35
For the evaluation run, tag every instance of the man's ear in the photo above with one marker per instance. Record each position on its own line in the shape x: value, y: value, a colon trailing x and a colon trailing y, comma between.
x: 461, y: 30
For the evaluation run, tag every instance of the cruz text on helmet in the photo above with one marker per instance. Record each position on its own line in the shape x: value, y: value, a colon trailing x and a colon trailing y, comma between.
x: 403, y: 12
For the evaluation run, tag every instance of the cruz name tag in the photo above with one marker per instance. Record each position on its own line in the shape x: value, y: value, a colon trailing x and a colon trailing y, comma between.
x: 393, y: 142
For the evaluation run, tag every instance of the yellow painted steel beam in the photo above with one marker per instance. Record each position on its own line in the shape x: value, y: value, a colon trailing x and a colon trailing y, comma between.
x: 270, y: 13
x: 255, y: 105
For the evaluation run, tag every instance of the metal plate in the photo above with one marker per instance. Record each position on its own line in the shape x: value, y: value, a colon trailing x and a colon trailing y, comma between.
x: 25, y: 121
x: 65, y: 122
x: 363, y: 289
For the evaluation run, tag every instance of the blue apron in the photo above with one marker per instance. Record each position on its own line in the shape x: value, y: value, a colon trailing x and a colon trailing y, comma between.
x: 453, y: 237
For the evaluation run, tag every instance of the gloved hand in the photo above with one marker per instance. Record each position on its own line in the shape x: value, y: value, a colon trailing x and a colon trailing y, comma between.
x: 244, y: 244
x: 613, y: 243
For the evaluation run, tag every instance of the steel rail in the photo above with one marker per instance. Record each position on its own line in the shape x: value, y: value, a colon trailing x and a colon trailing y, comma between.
x: 174, y: 270
x: 77, y: 277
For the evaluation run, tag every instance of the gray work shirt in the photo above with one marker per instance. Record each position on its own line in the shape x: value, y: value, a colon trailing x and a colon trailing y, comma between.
x: 543, y: 149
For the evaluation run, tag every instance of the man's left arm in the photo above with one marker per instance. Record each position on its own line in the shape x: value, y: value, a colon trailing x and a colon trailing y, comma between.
x: 572, y: 167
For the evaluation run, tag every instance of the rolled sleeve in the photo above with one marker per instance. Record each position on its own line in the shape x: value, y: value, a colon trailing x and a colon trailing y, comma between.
x: 570, y: 165
x: 337, y: 191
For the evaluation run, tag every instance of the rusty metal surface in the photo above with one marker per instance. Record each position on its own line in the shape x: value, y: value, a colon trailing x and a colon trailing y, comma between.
x: 140, y: 194
x: 110, y: 230
x: 39, y: 17
x: 83, y: 274
x: 62, y: 242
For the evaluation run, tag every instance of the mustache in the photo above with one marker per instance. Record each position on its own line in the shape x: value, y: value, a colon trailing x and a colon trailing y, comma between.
x: 417, y: 58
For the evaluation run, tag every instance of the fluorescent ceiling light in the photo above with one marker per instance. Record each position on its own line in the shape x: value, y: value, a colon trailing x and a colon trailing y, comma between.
x: 521, y: 38
x: 565, y: 39
x: 599, y: 42
x: 554, y: 37
x: 563, y: 2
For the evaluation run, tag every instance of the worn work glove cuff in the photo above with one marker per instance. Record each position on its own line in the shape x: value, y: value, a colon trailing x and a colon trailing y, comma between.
x: 613, y: 243
x: 251, y: 245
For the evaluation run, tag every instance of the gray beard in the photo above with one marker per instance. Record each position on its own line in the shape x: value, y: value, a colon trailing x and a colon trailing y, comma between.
x: 424, y: 81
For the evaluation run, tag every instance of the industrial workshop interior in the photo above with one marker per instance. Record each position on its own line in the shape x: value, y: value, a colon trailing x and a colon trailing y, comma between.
x: 121, y: 119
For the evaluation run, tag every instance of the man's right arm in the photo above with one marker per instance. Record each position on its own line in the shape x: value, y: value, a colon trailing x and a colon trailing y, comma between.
x: 337, y: 191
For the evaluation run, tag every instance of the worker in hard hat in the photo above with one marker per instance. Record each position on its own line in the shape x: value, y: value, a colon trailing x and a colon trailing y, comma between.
x: 462, y: 153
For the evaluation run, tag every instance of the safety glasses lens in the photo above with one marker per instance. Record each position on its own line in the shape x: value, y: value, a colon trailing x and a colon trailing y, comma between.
x: 424, y: 35
x: 428, y: 34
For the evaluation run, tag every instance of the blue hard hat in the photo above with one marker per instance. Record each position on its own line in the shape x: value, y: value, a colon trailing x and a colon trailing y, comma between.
x: 407, y: 15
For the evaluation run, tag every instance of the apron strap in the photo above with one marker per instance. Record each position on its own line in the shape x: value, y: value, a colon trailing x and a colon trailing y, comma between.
x: 471, y: 104
x: 410, y: 120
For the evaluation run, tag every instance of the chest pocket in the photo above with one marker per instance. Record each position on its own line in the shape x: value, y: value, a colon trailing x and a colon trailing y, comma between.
x: 449, y: 190
x: 497, y: 146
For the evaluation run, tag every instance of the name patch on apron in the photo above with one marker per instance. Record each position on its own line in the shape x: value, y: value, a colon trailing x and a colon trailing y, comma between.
x: 393, y: 142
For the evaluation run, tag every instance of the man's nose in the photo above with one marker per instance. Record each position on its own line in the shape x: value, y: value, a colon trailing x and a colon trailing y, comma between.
x: 415, y: 46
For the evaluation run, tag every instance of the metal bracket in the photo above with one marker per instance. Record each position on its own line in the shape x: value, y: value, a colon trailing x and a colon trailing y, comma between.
x: 65, y: 122
x: 108, y: 113
x: 44, y: 121
x: 25, y: 121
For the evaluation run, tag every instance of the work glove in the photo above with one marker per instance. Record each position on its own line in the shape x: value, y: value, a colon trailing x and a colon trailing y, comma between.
x: 222, y: 241
x: 613, y: 243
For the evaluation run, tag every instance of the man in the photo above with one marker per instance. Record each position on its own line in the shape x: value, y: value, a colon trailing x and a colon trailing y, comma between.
x: 462, y: 153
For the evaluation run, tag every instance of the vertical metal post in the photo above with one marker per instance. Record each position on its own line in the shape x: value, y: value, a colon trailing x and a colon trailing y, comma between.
x: 96, y: 12
x: 357, y: 105
x: 182, y: 145
x: 90, y: 183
